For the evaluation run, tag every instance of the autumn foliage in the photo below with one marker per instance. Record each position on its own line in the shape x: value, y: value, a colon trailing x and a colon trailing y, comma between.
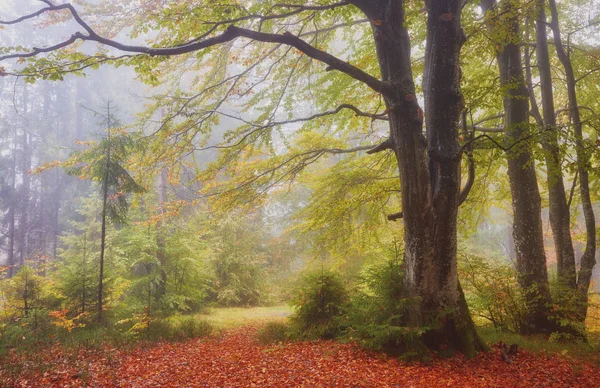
x: 237, y: 359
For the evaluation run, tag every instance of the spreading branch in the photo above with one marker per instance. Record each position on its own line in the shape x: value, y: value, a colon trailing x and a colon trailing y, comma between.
x: 231, y: 33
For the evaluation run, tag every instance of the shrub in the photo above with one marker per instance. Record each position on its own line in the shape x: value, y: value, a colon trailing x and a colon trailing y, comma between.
x: 377, y: 313
x: 175, y: 329
x: 190, y: 327
x: 567, y: 311
x: 493, y: 293
x: 319, y: 301
x: 274, y: 332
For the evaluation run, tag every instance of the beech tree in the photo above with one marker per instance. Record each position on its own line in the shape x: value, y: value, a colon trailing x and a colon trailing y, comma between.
x: 577, y: 281
x: 504, y: 22
x: 429, y: 164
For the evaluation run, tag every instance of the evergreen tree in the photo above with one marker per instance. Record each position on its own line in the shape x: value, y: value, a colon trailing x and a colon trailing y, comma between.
x: 103, y: 163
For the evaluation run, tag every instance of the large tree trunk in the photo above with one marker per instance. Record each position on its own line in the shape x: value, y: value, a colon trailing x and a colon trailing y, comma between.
x: 559, y: 209
x: 443, y: 104
x: 588, y: 259
x: 429, y: 168
x: 528, y: 232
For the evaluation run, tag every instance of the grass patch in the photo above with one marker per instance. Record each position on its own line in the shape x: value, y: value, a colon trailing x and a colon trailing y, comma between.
x: 225, y: 318
x: 542, y: 344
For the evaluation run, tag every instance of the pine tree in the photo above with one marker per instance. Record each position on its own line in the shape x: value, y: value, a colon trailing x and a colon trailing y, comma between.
x: 103, y: 162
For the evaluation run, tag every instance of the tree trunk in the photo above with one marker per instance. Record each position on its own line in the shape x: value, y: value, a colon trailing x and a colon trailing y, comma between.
x: 103, y: 227
x: 528, y: 232
x: 11, y: 210
x: 160, y: 234
x: 560, y: 218
x: 102, y: 246
x: 588, y: 259
x: 24, y: 199
x: 429, y: 168
x: 444, y: 104
x: 84, y: 274
x: 24, y: 192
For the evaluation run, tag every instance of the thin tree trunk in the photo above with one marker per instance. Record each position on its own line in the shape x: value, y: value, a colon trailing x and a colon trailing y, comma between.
x: 103, y: 228
x: 24, y: 197
x: 160, y: 235
x: 56, y: 212
x: 560, y: 219
x: 588, y: 259
x: 11, y: 210
x: 25, y: 186
x: 84, y: 273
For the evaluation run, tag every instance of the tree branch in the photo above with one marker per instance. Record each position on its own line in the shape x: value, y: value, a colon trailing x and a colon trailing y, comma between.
x: 572, y: 192
x: 232, y: 32
x: 464, y: 193
x: 395, y: 216
x: 35, y: 14
x: 485, y: 130
x: 385, y: 145
x: 489, y: 118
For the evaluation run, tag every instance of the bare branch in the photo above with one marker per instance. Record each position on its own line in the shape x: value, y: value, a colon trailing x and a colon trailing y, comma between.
x: 568, y: 110
x: 486, y: 130
x: 572, y: 192
x: 258, y: 128
x: 333, y: 27
x: 503, y: 148
x: 36, y: 51
x: 385, y: 145
x: 489, y: 118
x: 35, y: 14
x: 395, y: 216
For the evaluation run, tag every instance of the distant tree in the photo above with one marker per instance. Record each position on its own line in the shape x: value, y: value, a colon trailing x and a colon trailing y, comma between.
x: 103, y: 162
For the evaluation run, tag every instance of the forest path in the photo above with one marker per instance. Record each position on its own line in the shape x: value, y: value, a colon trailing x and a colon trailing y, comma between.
x: 237, y: 359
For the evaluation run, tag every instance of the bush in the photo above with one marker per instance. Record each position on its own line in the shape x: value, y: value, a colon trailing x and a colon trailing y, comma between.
x: 567, y: 312
x: 175, y: 329
x: 319, y: 302
x: 492, y: 292
x: 190, y: 327
x: 377, y: 313
x: 274, y: 332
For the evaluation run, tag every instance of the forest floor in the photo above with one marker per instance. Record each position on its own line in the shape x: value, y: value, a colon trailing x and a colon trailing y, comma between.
x: 235, y: 358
